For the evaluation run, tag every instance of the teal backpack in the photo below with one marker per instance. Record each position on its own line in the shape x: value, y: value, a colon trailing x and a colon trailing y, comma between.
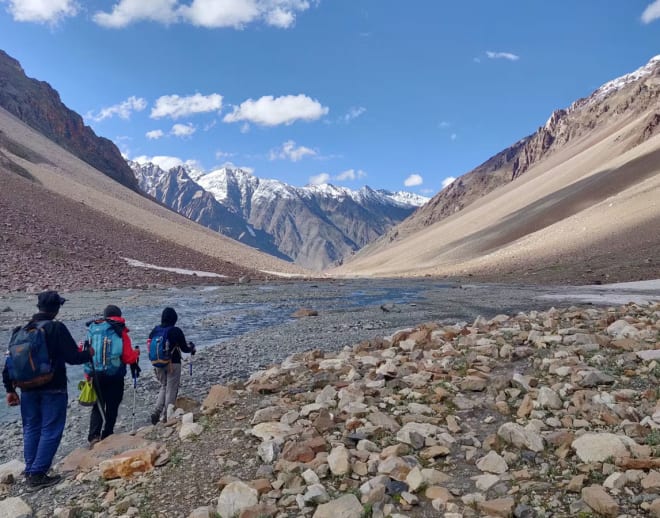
x: 108, y: 347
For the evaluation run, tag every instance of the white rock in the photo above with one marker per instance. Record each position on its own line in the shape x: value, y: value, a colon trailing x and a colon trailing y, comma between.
x: 596, y: 447
x: 310, y: 477
x: 348, y: 506
x: 485, y: 482
x: 515, y: 434
x: 268, y: 451
x: 339, y: 460
x: 235, y: 497
x: 190, y: 430
x: 492, y: 463
x: 548, y: 398
x: 622, y: 329
x: 14, y: 468
x: 14, y: 507
x: 271, y: 431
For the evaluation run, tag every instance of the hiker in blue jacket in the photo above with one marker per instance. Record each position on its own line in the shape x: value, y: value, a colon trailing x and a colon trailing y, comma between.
x: 169, y: 375
x: 43, y: 408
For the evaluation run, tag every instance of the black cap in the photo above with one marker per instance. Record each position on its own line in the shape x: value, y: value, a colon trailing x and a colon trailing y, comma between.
x: 111, y: 311
x: 50, y: 301
x: 169, y: 317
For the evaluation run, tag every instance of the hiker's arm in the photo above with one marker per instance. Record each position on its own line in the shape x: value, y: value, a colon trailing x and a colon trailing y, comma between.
x: 6, y: 380
x: 180, y: 340
x: 128, y: 354
x: 69, y: 348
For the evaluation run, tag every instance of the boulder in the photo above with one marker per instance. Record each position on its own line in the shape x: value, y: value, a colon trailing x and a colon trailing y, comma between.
x: 498, y: 507
x: 514, y: 434
x: 339, y: 461
x: 14, y: 507
x: 598, y: 499
x: 84, y: 459
x: 129, y: 463
x: 218, y: 397
x: 11, y: 471
x: 348, y: 506
x: 236, y: 497
x: 596, y: 447
x: 492, y: 463
x: 275, y: 431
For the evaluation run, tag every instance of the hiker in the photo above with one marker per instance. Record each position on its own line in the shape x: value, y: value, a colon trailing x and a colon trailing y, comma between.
x: 109, y: 338
x: 166, y: 343
x: 36, y: 363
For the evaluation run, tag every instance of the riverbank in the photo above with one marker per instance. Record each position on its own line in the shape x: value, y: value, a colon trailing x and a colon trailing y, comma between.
x: 534, y: 413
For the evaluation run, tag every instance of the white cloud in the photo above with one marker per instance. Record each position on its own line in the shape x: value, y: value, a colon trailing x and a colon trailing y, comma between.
x: 413, y: 180
x: 123, y: 110
x: 453, y: 136
x: 444, y: 124
x: 448, y: 181
x: 319, y: 179
x: 212, y: 14
x: 502, y: 55
x: 154, y: 134
x: 41, y: 11
x: 126, y: 12
x: 652, y: 12
x: 273, y: 111
x: 223, y: 154
x: 353, y: 113
x: 163, y: 161
x: 175, y: 107
x: 289, y: 151
x: 183, y: 130
x: 350, y: 174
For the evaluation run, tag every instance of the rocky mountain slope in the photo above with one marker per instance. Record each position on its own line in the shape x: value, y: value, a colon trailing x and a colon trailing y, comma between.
x: 576, y: 201
x: 314, y: 226
x: 39, y: 106
x: 66, y: 225
x: 635, y: 95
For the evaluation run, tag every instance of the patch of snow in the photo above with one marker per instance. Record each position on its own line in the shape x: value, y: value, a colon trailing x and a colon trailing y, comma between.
x: 639, y: 292
x: 182, y: 271
x: 283, y: 274
x: 251, y: 231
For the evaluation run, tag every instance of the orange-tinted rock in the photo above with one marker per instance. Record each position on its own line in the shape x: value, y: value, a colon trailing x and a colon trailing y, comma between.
x: 129, y: 463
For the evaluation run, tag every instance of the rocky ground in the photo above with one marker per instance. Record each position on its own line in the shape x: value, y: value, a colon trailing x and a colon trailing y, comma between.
x: 539, y: 413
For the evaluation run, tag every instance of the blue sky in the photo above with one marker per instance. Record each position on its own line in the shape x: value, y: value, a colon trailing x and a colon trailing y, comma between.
x: 400, y: 95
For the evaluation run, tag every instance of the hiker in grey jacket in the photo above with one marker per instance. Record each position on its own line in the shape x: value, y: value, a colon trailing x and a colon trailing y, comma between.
x: 170, y: 377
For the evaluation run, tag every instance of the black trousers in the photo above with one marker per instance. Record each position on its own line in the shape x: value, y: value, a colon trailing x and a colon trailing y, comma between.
x: 110, y: 392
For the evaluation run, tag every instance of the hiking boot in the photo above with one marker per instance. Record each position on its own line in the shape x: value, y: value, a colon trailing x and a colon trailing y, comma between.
x: 93, y: 441
x: 155, y: 417
x: 41, y: 480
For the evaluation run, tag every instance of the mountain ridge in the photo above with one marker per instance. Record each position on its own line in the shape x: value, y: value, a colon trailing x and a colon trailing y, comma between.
x: 314, y: 226
x: 38, y: 104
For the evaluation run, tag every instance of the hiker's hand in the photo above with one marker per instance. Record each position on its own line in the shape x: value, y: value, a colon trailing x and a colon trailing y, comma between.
x: 193, y: 349
x: 13, y: 399
x: 135, y: 370
x: 90, y: 350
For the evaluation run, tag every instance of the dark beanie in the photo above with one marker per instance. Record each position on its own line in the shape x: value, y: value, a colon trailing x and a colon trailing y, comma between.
x: 111, y: 311
x: 169, y: 317
x: 50, y: 301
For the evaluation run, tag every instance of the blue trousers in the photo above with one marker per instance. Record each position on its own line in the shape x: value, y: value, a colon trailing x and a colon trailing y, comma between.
x: 44, y: 414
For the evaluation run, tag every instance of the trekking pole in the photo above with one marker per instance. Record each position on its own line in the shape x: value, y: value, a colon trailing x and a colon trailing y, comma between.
x: 99, y: 395
x: 135, y: 377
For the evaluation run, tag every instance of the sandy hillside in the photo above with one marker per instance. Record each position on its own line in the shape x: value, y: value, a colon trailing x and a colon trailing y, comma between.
x: 589, y: 212
x: 64, y: 200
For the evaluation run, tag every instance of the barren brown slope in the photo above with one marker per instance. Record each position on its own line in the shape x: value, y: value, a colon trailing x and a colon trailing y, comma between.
x: 585, y: 214
x: 610, y: 109
x: 66, y: 224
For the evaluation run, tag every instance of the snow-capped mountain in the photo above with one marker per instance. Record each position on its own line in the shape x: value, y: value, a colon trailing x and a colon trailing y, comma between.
x: 313, y: 226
